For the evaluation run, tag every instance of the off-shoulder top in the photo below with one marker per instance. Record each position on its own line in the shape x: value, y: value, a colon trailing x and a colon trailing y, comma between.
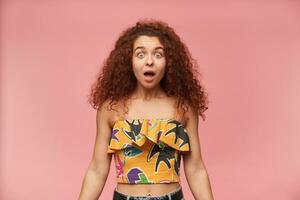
x: 148, y: 150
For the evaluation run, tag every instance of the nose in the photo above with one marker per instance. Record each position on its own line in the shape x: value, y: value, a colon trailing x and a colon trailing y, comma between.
x: 149, y: 60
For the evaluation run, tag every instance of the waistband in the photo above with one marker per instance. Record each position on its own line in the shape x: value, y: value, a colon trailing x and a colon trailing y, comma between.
x: 177, y: 194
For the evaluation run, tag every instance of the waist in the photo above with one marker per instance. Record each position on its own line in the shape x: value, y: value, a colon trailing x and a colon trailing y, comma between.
x: 157, y: 191
x: 144, y: 189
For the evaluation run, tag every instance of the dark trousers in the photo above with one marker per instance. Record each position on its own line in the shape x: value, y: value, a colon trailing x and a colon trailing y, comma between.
x: 174, y: 195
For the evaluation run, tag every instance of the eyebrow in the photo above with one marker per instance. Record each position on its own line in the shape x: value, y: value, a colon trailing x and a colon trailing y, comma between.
x: 141, y: 47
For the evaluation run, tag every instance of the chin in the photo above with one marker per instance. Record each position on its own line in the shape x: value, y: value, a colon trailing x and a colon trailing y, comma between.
x: 149, y: 85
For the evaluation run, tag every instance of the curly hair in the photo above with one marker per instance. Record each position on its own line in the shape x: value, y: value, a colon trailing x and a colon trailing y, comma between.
x: 116, y: 81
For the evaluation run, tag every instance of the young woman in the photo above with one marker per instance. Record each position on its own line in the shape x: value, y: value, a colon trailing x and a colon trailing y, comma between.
x: 148, y: 99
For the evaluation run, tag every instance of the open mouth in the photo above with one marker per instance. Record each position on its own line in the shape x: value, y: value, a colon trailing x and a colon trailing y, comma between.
x: 149, y: 74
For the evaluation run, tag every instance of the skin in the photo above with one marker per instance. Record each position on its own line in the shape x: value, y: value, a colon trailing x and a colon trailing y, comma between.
x: 148, y: 54
x: 147, y: 99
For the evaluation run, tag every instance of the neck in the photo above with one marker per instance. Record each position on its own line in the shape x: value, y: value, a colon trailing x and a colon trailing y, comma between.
x: 146, y: 94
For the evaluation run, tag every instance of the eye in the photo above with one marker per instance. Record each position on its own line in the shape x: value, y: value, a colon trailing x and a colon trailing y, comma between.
x: 140, y: 54
x: 158, y: 54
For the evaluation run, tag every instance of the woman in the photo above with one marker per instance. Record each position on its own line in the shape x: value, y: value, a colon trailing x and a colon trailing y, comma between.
x: 148, y: 100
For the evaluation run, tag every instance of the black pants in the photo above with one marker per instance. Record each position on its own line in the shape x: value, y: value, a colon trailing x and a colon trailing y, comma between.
x: 174, y: 195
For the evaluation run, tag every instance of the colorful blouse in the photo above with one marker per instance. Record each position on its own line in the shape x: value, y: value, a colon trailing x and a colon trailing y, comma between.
x: 148, y: 150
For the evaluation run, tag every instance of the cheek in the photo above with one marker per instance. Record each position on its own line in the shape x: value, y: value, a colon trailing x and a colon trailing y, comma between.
x: 135, y: 71
x: 137, y: 63
x: 136, y: 68
x: 162, y: 63
x: 161, y: 73
x: 162, y: 68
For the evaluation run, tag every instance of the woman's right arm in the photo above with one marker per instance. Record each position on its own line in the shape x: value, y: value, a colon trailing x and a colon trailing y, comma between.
x: 99, y: 166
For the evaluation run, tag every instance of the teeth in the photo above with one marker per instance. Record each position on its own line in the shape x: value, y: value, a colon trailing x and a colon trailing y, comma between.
x: 149, y: 73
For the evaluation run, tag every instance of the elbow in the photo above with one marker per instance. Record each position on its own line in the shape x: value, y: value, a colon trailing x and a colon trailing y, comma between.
x: 195, y: 166
x: 195, y: 172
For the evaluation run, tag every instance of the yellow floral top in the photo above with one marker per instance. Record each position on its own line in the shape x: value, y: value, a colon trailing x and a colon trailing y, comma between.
x: 148, y: 150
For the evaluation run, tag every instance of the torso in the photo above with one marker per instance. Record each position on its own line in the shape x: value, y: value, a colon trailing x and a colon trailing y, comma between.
x: 139, y: 109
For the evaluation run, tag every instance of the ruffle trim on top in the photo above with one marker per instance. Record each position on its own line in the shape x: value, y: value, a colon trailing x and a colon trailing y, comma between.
x: 127, y: 133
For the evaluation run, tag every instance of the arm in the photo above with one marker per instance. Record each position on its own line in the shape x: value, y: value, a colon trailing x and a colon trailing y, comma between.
x: 194, y: 167
x: 99, y: 166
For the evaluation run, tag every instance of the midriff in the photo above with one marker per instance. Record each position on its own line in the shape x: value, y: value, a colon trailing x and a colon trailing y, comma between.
x: 156, y: 189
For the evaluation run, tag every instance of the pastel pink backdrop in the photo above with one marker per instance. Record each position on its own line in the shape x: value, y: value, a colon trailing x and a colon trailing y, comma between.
x: 248, y: 52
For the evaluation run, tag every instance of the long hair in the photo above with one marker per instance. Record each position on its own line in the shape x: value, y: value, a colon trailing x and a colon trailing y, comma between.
x: 116, y: 81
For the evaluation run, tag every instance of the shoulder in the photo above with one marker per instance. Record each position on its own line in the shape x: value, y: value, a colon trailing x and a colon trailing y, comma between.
x: 188, y: 117
x: 192, y: 117
x: 184, y: 117
x: 105, y: 114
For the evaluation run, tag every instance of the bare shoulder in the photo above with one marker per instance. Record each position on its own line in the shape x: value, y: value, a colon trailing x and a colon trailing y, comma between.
x: 108, y: 113
x: 104, y: 113
x: 192, y: 117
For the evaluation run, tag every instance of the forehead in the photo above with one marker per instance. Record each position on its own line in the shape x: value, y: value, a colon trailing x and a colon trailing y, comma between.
x: 147, y: 42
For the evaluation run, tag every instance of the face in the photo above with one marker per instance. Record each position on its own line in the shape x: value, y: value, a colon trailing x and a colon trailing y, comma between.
x: 148, y: 61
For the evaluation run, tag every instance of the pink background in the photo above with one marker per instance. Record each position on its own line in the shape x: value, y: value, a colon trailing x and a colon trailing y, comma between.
x: 249, y: 56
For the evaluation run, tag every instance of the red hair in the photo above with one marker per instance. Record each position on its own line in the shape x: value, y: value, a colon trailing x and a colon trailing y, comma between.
x: 116, y: 80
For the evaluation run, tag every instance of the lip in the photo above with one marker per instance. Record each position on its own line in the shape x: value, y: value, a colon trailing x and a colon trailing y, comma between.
x: 149, y: 71
x: 149, y: 78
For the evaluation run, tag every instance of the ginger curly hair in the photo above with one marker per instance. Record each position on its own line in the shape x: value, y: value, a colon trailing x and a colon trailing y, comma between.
x: 116, y: 81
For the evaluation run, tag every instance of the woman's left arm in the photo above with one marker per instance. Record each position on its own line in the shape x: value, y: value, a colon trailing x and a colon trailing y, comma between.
x: 194, y: 168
